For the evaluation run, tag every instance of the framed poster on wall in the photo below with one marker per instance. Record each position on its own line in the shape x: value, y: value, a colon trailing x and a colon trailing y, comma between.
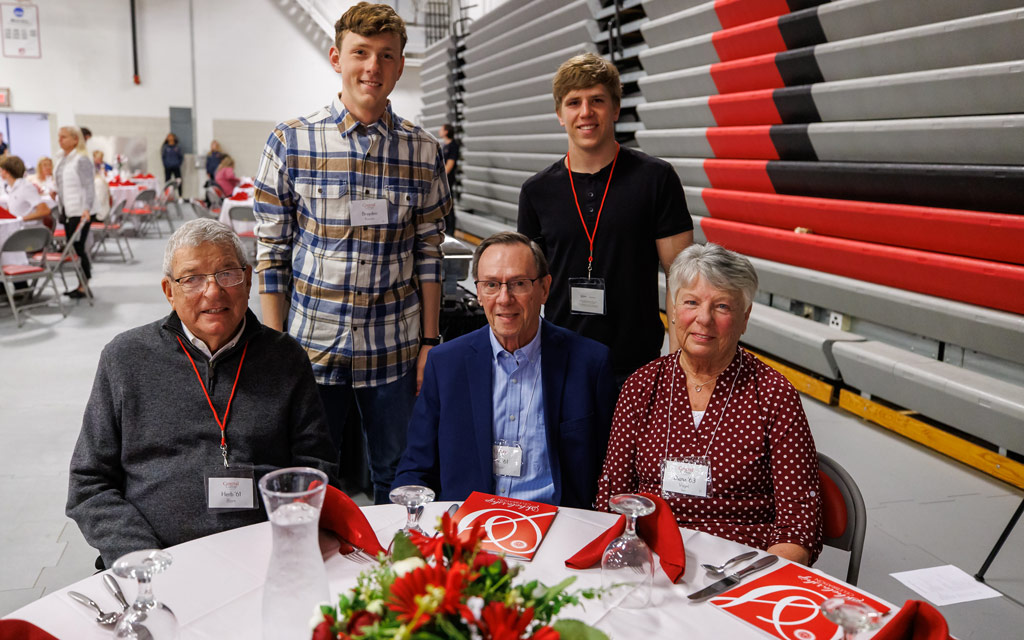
x: 19, y: 30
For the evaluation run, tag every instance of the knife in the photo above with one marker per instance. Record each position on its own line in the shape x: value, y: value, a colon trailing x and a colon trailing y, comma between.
x: 731, y: 581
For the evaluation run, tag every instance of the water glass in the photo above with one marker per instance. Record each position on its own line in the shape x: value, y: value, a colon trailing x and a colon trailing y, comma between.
x: 852, y: 615
x: 413, y: 498
x: 146, y: 618
x: 627, y: 562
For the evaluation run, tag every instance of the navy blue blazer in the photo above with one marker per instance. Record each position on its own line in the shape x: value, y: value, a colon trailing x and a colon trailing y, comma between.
x: 451, y: 431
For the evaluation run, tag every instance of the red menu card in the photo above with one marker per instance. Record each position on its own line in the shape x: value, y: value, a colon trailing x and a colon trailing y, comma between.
x: 508, y: 525
x: 785, y: 603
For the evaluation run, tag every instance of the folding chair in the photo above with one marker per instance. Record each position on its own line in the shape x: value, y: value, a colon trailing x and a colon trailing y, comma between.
x: 201, y: 211
x: 143, y: 212
x: 244, y: 214
x: 57, y: 261
x: 112, y: 228
x: 215, y: 197
x: 30, y: 241
x: 843, y: 512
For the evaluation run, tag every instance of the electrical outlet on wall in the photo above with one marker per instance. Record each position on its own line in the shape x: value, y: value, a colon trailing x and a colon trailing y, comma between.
x: 838, y: 321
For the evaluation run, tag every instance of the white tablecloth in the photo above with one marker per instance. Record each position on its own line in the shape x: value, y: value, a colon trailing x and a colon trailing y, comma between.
x: 215, y: 584
x: 149, y: 183
x: 227, y: 205
x: 128, y: 194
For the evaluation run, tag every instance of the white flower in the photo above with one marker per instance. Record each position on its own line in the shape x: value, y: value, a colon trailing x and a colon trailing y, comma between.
x: 403, y: 567
x: 376, y: 607
x: 318, y: 616
x: 538, y: 592
x: 476, y: 605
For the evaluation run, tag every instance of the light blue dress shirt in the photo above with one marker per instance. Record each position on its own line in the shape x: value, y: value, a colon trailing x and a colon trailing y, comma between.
x: 518, y: 410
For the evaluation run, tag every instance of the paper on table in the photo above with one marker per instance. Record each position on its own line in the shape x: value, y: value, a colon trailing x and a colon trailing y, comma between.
x: 945, y: 585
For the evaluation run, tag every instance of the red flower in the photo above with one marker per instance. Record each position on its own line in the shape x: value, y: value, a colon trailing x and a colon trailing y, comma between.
x: 486, y: 558
x: 359, y: 620
x: 460, y: 544
x: 405, y: 589
x: 322, y: 631
x: 501, y: 622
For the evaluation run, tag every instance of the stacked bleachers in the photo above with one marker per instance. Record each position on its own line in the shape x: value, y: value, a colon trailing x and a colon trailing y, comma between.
x: 867, y: 154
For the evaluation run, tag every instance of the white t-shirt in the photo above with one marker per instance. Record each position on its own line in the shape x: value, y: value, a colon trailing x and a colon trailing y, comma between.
x: 23, y: 198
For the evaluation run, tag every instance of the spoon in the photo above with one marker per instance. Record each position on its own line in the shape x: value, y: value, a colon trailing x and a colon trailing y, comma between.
x: 115, y: 590
x: 720, y: 568
x: 102, y: 617
x: 452, y: 509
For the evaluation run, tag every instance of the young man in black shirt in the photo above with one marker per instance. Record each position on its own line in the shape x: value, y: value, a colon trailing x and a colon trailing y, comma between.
x: 606, y: 217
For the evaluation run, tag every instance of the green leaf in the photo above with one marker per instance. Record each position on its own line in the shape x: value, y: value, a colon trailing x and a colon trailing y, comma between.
x: 402, y: 548
x: 576, y: 630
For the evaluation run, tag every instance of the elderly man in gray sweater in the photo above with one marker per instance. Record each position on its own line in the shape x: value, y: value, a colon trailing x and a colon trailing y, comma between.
x: 189, y: 412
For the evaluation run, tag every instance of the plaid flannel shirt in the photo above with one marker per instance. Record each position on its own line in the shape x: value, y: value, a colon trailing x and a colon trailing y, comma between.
x: 355, y: 303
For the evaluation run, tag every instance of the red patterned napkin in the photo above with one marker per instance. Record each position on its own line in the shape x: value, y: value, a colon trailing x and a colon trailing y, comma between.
x: 241, y: 195
x: 659, y: 530
x: 22, y: 630
x: 4, y: 213
x: 917, y: 620
x: 342, y: 516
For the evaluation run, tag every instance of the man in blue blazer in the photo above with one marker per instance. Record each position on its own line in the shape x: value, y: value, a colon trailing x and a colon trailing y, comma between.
x: 520, y: 408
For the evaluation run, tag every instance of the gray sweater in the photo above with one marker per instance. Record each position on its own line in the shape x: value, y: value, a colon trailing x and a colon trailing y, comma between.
x: 148, y: 436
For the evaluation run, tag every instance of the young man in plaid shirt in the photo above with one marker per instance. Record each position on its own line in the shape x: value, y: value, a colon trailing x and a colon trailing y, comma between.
x: 350, y: 203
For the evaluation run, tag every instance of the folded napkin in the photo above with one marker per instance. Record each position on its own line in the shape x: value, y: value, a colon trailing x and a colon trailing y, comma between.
x: 659, y: 530
x: 241, y: 195
x: 4, y: 213
x: 342, y: 516
x: 917, y: 620
x: 116, y: 182
x: 127, y: 183
x: 247, y: 185
x: 147, y: 176
x: 22, y: 630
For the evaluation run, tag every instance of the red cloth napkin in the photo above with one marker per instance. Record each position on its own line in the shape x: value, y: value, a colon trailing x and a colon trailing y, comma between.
x: 247, y: 185
x: 116, y: 182
x: 127, y: 183
x: 148, y: 176
x: 22, y: 630
x: 659, y: 530
x: 4, y: 213
x: 342, y: 516
x: 917, y: 620
x: 241, y: 195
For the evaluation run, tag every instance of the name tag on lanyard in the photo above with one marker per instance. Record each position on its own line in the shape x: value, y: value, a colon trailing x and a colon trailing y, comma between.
x: 231, y: 489
x: 586, y: 296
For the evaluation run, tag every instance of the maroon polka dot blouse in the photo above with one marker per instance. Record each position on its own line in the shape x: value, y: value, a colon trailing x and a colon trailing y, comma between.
x: 764, y: 469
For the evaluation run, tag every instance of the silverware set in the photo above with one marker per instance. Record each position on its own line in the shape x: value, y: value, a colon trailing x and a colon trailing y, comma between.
x: 104, y: 618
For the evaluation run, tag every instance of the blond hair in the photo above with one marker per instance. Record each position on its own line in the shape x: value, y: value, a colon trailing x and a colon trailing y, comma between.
x: 368, y: 19
x: 582, y: 72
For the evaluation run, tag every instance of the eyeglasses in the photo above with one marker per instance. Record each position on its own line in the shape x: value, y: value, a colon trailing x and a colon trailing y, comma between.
x: 517, y: 287
x: 197, y: 283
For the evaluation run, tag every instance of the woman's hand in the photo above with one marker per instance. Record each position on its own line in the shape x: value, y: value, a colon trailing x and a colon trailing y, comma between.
x: 790, y: 551
x: 85, y: 216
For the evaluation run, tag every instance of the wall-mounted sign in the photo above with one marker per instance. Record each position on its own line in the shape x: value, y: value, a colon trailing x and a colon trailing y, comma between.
x: 19, y: 30
x: 5, y: 97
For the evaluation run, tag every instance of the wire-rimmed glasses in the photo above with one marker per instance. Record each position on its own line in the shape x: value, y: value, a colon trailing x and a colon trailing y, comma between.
x: 627, y: 562
x: 197, y: 282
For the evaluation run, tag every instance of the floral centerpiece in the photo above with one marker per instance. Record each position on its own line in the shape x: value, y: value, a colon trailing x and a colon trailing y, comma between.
x: 446, y: 588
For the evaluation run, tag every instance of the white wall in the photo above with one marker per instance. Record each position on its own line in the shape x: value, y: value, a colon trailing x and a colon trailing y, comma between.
x: 253, y: 62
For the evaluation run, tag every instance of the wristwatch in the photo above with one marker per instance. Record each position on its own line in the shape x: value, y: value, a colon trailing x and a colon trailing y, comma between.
x: 431, y: 342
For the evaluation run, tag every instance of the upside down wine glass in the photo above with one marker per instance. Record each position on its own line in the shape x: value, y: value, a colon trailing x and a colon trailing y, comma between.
x: 146, y: 619
x: 628, y: 562
x: 853, y: 616
x: 413, y: 497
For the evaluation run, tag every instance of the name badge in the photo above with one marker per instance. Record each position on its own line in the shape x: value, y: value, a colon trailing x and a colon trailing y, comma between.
x: 586, y: 296
x: 689, y: 476
x: 508, y: 459
x: 231, y: 489
x: 368, y: 212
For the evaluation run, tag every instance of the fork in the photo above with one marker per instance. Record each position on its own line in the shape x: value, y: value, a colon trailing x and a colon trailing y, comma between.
x: 355, y: 554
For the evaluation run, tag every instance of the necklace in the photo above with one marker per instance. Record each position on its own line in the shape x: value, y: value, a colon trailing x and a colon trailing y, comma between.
x: 699, y: 387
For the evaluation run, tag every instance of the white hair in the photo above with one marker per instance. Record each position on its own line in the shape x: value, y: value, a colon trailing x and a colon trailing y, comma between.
x: 723, y: 269
x: 199, y: 232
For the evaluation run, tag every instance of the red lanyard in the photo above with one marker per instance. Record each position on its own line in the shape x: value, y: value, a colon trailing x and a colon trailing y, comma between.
x: 222, y: 425
x: 590, y: 236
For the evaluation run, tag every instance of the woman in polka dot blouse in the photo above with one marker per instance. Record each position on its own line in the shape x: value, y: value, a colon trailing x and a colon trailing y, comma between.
x: 717, y: 433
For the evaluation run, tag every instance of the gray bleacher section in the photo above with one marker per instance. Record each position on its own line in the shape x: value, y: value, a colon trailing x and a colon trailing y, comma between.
x: 438, y: 82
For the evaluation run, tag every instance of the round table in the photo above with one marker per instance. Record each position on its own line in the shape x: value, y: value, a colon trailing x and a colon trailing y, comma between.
x: 215, y: 584
x: 227, y: 205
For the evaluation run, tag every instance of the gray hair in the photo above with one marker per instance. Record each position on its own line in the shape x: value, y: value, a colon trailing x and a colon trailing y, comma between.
x: 511, y: 237
x: 199, y: 232
x: 723, y: 269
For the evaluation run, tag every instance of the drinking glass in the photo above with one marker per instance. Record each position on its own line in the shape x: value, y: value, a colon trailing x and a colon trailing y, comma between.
x: 628, y: 562
x: 413, y: 498
x: 146, y: 618
x: 296, y: 578
x: 853, y: 616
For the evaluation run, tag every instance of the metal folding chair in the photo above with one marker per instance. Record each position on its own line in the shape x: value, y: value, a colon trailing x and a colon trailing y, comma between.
x: 112, y: 228
x: 30, y: 241
x: 843, y: 512
x: 201, y: 211
x: 143, y: 212
x: 244, y: 214
x: 57, y: 261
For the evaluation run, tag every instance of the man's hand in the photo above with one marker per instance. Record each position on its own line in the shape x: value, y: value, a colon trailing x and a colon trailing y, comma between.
x: 421, y: 363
